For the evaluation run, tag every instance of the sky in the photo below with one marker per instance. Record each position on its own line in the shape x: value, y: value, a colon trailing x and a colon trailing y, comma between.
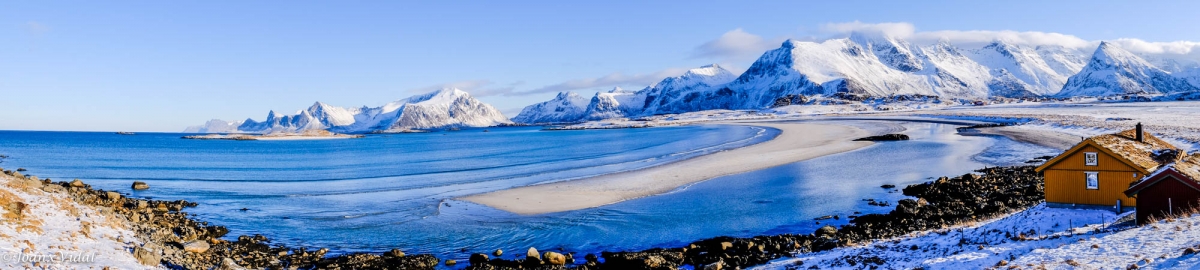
x: 165, y: 65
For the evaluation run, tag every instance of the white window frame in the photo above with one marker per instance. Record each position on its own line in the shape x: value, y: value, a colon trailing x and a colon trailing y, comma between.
x: 1091, y: 159
x: 1087, y: 180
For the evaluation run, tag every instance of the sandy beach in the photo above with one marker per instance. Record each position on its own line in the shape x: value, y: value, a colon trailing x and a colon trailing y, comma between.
x: 796, y: 142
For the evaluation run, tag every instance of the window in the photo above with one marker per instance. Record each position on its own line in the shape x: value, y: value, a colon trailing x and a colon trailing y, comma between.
x: 1093, y: 180
x: 1090, y: 159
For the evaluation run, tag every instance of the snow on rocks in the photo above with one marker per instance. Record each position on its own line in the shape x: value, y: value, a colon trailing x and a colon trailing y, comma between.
x: 42, y: 224
x: 974, y: 246
x: 1160, y: 245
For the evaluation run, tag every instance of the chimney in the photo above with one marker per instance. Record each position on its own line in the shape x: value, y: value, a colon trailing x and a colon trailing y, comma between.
x: 1140, y: 135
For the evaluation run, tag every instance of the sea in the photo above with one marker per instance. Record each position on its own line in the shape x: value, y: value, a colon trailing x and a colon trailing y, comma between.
x: 399, y: 190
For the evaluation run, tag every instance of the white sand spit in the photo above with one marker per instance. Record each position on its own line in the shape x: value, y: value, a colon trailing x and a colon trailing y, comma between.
x: 796, y: 142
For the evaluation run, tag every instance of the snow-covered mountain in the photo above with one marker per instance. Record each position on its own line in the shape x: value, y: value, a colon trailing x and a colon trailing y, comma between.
x: 615, y: 103
x: 689, y: 92
x: 446, y: 108
x: 215, y: 126
x: 1115, y: 71
x: 567, y: 107
x: 863, y: 66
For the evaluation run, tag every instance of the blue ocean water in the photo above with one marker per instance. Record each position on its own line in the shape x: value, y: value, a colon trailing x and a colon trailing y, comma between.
x: 396, y: 191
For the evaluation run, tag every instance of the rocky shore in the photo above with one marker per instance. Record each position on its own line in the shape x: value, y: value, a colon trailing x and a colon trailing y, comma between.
x: 171, y: 238
x: 174, y: 240
x: 938, y: 204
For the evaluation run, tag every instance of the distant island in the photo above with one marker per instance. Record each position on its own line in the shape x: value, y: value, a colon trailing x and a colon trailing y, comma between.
x: 306, y: 135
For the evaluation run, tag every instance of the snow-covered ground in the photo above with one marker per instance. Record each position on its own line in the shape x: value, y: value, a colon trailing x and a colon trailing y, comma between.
x: 1174, y: 121
x: 1038, y: 238
x: 972, y: 246
x: 49, y: 230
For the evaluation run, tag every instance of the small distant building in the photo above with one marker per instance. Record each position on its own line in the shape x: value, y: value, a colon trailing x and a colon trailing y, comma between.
x: 1172, y: 190
x: 1098, y: 170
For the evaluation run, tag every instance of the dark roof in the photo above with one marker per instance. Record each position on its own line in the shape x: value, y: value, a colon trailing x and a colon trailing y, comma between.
x: 1186, y: 170
x: 1142, y: 153
x: 1146, y: 155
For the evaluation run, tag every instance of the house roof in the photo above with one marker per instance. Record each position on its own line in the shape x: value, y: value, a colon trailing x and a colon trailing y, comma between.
x: 1125, y: 147
x: 1186, y: 170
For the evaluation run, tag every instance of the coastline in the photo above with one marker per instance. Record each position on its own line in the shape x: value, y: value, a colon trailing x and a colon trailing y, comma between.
x: 167, y: 237
x: 796, y: 142
x: 287, y: 137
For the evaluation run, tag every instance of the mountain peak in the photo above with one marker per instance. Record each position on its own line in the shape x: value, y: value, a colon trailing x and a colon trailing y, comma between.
x: 1111, y: 54
x: 565, y: 95
x: 454, y: 91
x: 712, y: 70
x: 789, y: 43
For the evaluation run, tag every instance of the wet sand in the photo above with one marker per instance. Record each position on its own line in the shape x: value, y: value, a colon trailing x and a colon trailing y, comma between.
x: 796, y: 142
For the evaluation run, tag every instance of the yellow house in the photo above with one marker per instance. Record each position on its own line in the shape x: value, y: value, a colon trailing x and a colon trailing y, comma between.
x: 1098, y: 170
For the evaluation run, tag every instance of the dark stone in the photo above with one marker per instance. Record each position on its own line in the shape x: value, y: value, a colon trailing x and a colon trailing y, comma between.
x: 826, y: 231
x: 888, y: 137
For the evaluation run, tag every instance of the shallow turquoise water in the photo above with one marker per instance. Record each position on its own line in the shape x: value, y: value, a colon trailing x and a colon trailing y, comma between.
x: 395, y: 191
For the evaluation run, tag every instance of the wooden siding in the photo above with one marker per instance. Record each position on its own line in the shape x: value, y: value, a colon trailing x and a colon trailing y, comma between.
x: 1105, y: 162
x: 1155, y: 199
x: 1066, y: 180
x: 1064, y: 186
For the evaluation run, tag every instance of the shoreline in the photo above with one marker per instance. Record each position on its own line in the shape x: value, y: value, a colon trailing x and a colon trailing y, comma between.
x: 166, y: 236
x: 244, y: 137
x: 796, y: 142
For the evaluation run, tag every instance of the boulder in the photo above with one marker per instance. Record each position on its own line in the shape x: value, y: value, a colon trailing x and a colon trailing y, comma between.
x: 53, y: 188
x: 229, y: 264
x: 533, y: 253
x: 196, y: 246
x: 498, y: 252
x: 147, y: 257
x: 555, y: 258
x: 655, y: 259
x: 827, y: 231
x: 139, y: 185
x: 112, y: 195
x: 77, y: 183
x: 451, y: 262
x: 478, y: 259
x: 395, y: 252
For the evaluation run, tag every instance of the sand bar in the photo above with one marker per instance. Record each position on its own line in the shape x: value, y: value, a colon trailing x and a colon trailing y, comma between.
x: 1047, y: 138
x: 796, y: 142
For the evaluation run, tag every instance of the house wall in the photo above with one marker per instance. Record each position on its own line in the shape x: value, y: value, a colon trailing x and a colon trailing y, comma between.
x: 1153, y: 199
x: 1066, y: 180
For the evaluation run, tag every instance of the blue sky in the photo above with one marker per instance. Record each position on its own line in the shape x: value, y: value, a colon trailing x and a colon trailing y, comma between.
x: 161, y: 66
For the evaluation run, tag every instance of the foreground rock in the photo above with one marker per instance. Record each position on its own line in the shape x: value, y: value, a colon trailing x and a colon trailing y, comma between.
x: 888, y: 137
x: 174, y: 240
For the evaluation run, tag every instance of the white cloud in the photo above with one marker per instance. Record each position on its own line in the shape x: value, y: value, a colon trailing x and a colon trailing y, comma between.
x: 735, y: 43
x: 969, y: 38
x: 901, y: 30
x: 477, y: 88
x: 1175, y: 47
x: 606, y: 81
